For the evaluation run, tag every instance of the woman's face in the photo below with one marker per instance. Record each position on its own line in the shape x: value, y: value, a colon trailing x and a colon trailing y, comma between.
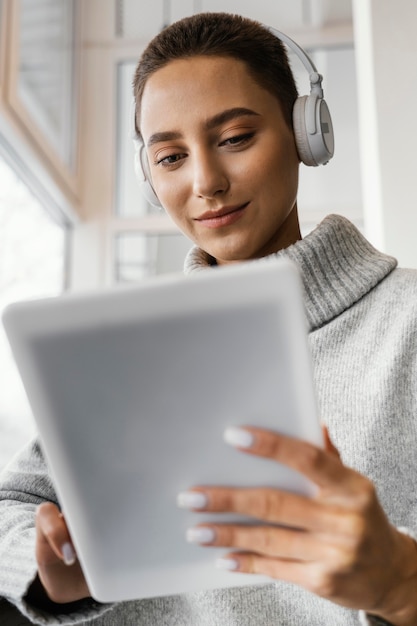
x: 222, y: 159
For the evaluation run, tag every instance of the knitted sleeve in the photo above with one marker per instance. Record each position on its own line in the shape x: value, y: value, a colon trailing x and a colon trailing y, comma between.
x: 24, y: 484
x: 372, y: 620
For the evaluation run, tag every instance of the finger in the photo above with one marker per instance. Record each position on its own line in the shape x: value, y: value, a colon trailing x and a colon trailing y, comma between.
x: 328, y: 443
x: 264, y: 503
x: 319, y: 465
x: 271, y: 541
x: 299, y: 573
x: 313, y: 576
x: 53, y: 541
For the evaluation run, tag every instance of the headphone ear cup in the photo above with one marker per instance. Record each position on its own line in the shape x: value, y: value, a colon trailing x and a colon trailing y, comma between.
x: 300, y: 131
x: 313, y: 130
x: 143, y: 175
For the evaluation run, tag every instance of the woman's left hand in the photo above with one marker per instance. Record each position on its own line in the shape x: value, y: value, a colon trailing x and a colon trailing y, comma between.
x: 338, y: 544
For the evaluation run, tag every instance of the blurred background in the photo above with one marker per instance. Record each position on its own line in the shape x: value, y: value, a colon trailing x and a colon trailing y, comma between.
x: 71, y: 214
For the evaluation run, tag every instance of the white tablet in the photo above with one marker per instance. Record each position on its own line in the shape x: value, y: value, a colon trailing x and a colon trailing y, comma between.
x: 132, y: 389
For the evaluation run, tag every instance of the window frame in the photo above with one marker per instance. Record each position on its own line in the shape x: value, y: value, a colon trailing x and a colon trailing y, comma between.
x: 29, y: 137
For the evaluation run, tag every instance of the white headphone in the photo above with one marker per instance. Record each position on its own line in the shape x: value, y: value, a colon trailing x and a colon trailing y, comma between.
x: 313, y: 129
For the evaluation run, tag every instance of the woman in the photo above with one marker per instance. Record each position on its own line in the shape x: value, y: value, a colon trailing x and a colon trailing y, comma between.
x: 214, y: 98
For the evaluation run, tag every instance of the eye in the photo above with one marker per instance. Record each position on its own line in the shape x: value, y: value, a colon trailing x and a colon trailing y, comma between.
x: 238, y: 140
x: 170, y: 159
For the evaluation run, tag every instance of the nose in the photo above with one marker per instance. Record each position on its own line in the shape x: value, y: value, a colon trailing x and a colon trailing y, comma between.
x: 209, y: 176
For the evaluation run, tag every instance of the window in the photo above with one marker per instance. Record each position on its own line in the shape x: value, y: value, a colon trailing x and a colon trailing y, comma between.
x: 32, y: 264
x: 46, y: 79
x: 140, y: 254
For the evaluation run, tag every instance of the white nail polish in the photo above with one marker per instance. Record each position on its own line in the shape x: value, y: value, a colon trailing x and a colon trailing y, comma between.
x: 68, y: 554
x: 192, y: 500
x: 200, y: 535
x: 227, y: 564
x: 238, y: 437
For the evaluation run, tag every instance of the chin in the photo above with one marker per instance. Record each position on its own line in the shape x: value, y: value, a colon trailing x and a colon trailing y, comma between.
x: 231, y: 251
x: 232, y: 257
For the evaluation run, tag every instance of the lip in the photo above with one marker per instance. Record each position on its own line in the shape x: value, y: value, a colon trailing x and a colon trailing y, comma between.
x: 224, y: 216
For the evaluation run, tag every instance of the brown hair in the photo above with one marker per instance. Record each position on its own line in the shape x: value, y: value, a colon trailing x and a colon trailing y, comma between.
x: 222, y: 34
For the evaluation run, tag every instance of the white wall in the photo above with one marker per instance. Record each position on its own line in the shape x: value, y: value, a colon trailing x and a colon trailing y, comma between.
x: 335, y: 187
x: 386, y: 49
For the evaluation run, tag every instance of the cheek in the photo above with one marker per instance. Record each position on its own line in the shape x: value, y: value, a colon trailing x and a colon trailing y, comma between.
x: 171, y: 195
x: 280, y: 174
x: 175, y: 202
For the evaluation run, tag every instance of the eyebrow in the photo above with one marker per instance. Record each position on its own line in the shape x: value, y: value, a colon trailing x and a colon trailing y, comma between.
x: 213, y: 122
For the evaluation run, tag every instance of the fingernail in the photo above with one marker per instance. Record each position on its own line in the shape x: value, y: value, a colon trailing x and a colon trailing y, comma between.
x: 238, y: 437
x: 200, y: 534
x: 68, y: 554
x: 228, y: 564
x: 192, y: 500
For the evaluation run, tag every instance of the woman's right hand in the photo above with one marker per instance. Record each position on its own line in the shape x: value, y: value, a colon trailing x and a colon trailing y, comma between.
x: 59, y: 571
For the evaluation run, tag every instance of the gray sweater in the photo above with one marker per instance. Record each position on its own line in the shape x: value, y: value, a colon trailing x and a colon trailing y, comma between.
x: 362, y: 315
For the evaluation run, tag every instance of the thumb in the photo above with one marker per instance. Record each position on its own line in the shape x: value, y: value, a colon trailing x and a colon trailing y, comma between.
x: 53, y: 541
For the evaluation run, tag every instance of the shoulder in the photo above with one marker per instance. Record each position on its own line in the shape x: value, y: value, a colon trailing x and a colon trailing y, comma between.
x: 27, y: 477
x: 401, y: 293
x: 400, y: 286
x: 393, y: 309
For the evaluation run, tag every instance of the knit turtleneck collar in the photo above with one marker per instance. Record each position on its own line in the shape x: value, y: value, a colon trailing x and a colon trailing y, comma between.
x: 338, y: 266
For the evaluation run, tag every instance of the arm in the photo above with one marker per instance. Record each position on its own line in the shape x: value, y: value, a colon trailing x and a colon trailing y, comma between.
x: 338, y: 544
x: 32, y: 532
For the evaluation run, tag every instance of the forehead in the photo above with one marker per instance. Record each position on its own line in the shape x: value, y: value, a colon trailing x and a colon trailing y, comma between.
x: 198, y: 87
